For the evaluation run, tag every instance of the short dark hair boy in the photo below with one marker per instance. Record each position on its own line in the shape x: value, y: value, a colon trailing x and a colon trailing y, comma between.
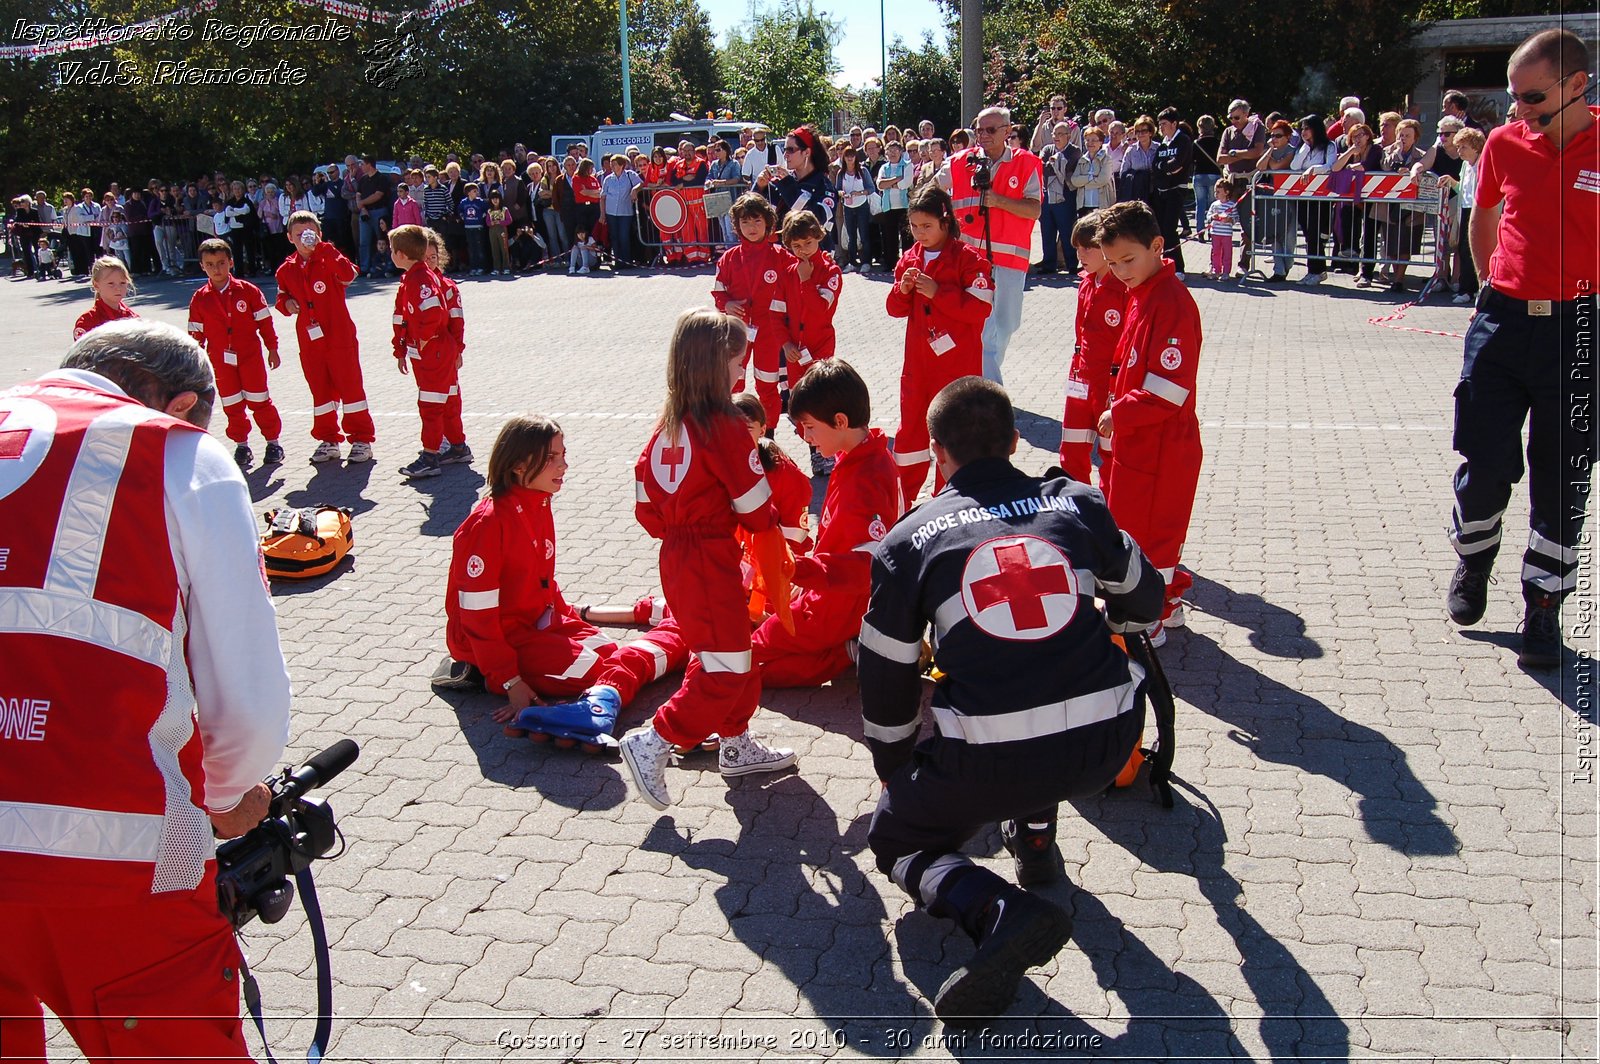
x: 829, y: 388
x: 971, y: 418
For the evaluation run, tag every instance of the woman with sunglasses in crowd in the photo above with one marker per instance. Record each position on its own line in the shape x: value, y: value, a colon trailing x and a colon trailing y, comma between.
x: 804, y: 184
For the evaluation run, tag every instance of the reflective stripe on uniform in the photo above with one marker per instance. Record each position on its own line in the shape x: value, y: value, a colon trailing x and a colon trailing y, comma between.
x: 324, y: 408
x: 886, y: 733
x: 1131, y: 579
x: 908, y: 458
x: 639, y: 492
x: 80, y: 538
x: 1551, y: 549
x: 429, y: 303
x: 724, y: 661
x: 354, y: 408
x: 1040, y: 721
x: 230, y: 400
x: 985, y: 295
x: 888, y: 647
x: 1077, y: 435
x: 94, y: 834
x: 655, y: 652
x: 479, y: 600
x: 792, y: 534
x: 433, y: 397
x: 753, y: 499
x: 36, y: 611
x: 1545, y: 580
x: 1176, y: 394
x: 580, y: 666
x: 263, y: 314
x: 255, y: 397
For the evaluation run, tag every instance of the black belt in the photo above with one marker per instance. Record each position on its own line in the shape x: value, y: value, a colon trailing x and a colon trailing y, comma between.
x: 1492, y: 299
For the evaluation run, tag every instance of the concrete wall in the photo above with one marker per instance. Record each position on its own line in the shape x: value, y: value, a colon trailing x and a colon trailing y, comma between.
x: 1442, y: 39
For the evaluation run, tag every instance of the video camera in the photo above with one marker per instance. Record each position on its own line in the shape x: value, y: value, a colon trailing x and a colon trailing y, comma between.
x: 253, y: 870
x: 982, y: 171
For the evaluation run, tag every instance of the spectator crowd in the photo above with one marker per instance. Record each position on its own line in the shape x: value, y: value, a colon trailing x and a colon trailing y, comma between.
x: 520, y: 211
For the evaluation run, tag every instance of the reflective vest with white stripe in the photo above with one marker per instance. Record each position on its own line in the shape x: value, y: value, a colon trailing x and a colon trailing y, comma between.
x: 101, y: 780
x: 1010, y: 236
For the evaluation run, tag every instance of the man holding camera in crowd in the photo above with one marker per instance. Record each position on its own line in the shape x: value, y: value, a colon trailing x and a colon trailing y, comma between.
x: 144, y: 696
x: 998, y: 195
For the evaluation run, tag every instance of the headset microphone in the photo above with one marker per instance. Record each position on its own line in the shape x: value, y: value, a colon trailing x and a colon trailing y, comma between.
x: 1545, y: 120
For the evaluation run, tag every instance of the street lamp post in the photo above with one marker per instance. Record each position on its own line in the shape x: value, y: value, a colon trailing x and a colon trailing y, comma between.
x: 627, y: 85
x: 883, y: 54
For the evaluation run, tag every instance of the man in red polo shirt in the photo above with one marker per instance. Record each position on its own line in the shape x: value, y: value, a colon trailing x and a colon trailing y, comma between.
x: 1535, y: 236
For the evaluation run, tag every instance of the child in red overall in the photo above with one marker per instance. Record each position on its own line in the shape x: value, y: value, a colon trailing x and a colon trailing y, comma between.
x: 1155, y: 455
x: 1102, y: 305
x: 311, y: 284
x: 110, y: 281
x: 699, y: 479
x: 230, y: 319
x: 747, y: 287
x: 791, y: 501
x: 833, y: 409
x: 809, y: 293
x: 429, y: 343
x: 943, y: 288
x: 508, y: 626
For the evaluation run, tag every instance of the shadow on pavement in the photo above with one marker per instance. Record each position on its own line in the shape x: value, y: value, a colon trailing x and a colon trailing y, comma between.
x: 1573, y: 681
x: 569, y: 778
x: 336, y: 484
x: 451, y: 496
x: 794, y: 895
x: 1273, y: 629
x: 1039, y: 430
x: 1297, y: 1021
x: 1279, y: 724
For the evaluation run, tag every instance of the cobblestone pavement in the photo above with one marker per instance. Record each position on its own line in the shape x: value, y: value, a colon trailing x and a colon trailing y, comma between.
x: 1384, y: 844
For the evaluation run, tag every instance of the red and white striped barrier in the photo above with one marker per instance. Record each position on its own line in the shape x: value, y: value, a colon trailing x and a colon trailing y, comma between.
x: 1382, y: 188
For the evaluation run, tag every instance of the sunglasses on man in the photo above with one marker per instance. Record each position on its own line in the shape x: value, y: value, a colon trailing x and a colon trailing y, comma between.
x: 1534, y: 99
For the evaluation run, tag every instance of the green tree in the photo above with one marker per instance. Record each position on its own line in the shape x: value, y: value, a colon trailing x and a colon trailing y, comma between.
x: 924, y: 82
x: 692, y: 52
x: 778, y: 67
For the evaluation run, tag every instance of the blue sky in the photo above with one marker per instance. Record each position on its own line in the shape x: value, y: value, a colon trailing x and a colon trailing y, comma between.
x: 858, y: 53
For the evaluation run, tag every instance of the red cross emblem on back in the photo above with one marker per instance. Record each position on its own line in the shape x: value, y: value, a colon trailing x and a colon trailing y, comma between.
x: 669, y: 460
x: 1019, y: 588
x: 12, y: 441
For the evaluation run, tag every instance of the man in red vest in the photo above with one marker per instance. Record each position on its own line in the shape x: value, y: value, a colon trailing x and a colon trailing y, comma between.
x: 142, y: 699
x: 1003, y: 233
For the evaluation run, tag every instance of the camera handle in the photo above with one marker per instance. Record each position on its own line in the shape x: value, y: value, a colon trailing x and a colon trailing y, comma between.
x: 319, y: 942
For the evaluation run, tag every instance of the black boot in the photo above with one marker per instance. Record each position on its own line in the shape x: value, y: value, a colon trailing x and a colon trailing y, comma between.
x: 1034, y: 853
x: 1541, y: 634
x: 1469, y: 594
x: 1014, y: 931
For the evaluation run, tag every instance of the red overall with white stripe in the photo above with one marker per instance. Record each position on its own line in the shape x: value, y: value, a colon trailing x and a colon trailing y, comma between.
x: 808, y: 307
x: 1102, y: 303
x: 749, y: 273
x: 425, y: 340
x: 231, y: 323
x: 863, y: 501
x: 505, y: 612
x: 944, y: 342
x: 692, y: 489
x: 330, y: 354
x: 1154, y: 467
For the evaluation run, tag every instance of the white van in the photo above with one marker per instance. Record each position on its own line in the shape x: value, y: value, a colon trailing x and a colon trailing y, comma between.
x: 615, y: 139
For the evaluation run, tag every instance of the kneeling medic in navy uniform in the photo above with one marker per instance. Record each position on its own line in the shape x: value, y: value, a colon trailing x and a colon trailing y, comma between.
x: 1036, y: 704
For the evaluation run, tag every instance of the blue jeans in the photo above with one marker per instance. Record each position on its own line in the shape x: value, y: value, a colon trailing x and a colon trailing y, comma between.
x: 1205, y: 194
x: 369, y: 238
x: 477, y: 247
x: 620, y: 228
x: 856, y: 222
x: 1003, y: 319
x: 1058, y: 219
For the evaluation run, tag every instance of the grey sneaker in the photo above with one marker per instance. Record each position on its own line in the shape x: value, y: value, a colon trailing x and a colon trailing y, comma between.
x: 360, y: 452
x: 274, y: 455
x: 741, y: 755
x: 325, y: 452
x: 647, y: 756
x: 457, y: 454
x: 426, y: 465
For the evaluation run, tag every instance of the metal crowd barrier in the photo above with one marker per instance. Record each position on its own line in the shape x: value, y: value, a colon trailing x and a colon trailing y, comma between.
x: 1351, y: 221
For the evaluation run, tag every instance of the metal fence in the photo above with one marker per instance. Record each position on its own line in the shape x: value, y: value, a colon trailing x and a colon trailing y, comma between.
x: 1373, y: 225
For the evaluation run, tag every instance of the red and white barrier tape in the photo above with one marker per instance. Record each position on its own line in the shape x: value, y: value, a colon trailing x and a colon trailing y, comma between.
x: 1399, y: 314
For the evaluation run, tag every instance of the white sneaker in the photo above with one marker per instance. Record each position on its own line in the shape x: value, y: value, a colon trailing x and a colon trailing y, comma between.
x: 360, y: 452
x: 647, y: 756
x: 1313, y: 278
x: 325, y: 452
x: 1158, y: 635
x: 583, y: 269
x: 741, y: 755
x: 1463, y: 300
x: 1176, y: 620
